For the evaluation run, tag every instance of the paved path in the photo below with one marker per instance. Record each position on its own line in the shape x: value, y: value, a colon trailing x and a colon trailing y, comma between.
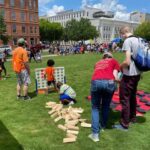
x: 44, y: 56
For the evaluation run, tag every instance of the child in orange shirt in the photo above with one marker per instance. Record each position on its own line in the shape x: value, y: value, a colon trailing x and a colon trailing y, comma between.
x: 49, y: 74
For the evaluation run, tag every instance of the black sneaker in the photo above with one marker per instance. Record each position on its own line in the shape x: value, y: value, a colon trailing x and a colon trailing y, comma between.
x: 26, y: 97
x: 19, y: 97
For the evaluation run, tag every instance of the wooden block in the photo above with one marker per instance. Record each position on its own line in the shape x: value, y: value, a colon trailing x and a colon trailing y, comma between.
x: 72, y: 127
x: 50, y: 103
x: 72, y: 122
x: 51, y: 112
x: 57, y: 119
x: 47, y: 106
x: 69, y: 135
x: 69, y: 140
x: 54, y: 115
x: 79, y: 110
x: 73, y: 132
x: 82, y: 120
x: 62, y: 127
x: 86, y: 125
x: 73, y: 116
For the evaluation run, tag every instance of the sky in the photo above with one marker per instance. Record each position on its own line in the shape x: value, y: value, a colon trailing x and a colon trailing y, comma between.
x: 121, y: 8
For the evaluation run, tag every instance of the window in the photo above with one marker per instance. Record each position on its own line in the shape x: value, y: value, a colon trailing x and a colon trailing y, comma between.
x: 2, y: 12
x: 31, y: 30
x: 1, y: 1
x: 22, y: 3
x: 34, y: 29
x: 35, y: 18
x: 34, y: 4
x: 87, y: 13
x: 23, y: 29
x: 14, y: 28
x: 13, y: 15
x: 15, y: 41
x: 32, y: 41
x: 30, y: 4
x: 31, y: 17
x: 12, y: 3
x: 22, y: 16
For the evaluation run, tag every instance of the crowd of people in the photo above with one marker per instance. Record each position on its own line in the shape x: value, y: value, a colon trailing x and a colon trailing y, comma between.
x: 103, y: 82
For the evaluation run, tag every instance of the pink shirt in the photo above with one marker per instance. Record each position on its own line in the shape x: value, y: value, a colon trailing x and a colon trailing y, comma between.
x: 104, y: 69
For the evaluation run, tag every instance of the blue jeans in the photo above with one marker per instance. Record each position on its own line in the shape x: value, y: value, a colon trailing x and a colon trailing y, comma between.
x: 101, y: 93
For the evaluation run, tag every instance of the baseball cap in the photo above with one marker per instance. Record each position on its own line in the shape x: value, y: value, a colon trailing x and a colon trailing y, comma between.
x: 108, y: 53
x: 21, y: 41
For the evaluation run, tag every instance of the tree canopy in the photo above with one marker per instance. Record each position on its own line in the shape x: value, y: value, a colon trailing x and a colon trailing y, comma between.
x: 50, y: 31
x: 143, y: 30
x: 79, y: 30
x: 3, y: 35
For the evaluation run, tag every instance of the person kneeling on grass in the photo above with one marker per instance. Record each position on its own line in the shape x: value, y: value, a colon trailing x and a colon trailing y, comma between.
x: 67, y: 94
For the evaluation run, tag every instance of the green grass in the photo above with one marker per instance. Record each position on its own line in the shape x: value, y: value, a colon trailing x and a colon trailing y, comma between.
x: 26, y: 125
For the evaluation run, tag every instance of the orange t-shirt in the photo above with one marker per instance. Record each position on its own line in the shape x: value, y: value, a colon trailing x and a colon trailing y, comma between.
x: 49, y: 71
x: 20, y: 56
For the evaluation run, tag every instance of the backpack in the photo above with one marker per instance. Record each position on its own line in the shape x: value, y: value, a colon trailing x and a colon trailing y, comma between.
x: 142, y: 57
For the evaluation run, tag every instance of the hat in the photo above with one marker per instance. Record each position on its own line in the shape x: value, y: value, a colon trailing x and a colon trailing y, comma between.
x: 21, y: 41
x: 108, y: 53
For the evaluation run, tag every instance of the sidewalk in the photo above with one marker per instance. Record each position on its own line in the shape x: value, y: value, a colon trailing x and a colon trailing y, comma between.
x: 42, y: 57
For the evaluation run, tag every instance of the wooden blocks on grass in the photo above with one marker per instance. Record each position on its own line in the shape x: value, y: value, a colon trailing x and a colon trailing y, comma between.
x: 71, y: 117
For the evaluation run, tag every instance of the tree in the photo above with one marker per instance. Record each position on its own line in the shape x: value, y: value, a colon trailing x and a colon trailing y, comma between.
x: 143, y: 30
x: 50, y: 31
x: 3, y: 35
x: 80, y: 30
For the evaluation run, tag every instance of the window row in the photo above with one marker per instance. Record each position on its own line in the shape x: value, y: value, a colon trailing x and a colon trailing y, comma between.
x: 23, y: 16
x: 22, y: 3
x: 106, y: 36
x: 106, y: 28
x: 68, y: 16
x: 24, y: 29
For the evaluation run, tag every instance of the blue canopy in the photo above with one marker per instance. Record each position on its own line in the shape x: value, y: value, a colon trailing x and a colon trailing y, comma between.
x: 117, y: 40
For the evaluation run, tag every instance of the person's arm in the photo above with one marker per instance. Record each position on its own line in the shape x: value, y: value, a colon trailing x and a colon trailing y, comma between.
x: 25, y: 60
x: 127, y: 60
x: 27, y: 67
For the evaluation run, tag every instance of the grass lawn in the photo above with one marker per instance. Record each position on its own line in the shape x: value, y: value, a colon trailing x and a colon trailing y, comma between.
x: 26, y: 125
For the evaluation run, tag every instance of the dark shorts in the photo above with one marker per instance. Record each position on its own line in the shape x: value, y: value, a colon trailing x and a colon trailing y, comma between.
x: 50, y: 82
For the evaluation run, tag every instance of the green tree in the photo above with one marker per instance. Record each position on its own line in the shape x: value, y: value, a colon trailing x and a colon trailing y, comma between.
x: 3, y: 35
x: 50, y: 31
x: 80, y: 30
x: 143, y: 30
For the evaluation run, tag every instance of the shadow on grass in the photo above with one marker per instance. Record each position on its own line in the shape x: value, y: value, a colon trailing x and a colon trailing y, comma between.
x: 7, y: 141
x: 32, y: 94
x: 114, y: 117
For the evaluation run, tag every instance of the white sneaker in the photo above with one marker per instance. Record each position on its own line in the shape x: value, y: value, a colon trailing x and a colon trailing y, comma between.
x: 71, y: 103
x: 94, y: 137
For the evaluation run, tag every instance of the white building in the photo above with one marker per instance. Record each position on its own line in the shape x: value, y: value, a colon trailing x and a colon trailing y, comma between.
x: 65, y: 16
x: 139, y: 16
x: 107, y: 26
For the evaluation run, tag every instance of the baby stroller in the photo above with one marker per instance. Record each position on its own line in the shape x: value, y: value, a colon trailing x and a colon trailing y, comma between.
x: 38, y: 56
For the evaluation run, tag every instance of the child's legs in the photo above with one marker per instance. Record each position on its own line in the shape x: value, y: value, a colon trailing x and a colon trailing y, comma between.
x: 65, y: 99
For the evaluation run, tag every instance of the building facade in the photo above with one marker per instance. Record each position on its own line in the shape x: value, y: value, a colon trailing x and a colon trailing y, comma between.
x: 139, y: 16
x: 21, y: 18
x: 65, y: 16
x: 107, y: 26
